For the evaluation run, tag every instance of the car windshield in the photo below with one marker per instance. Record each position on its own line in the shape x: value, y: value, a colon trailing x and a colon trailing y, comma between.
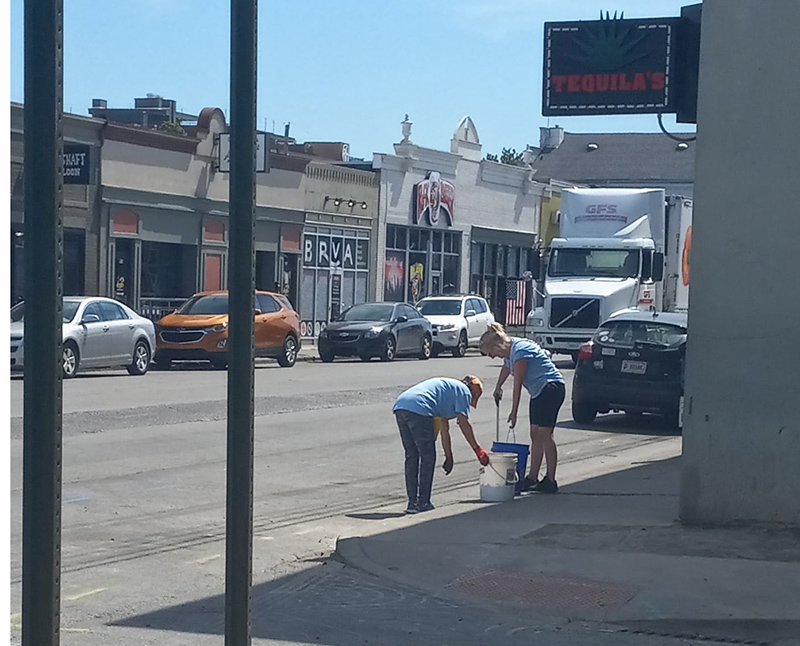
x: 369, y: 312
x: 594, y: 263
x: 68, y: 311
x: 214, y: 304
x: 631, y: 333
x: 440, y: 307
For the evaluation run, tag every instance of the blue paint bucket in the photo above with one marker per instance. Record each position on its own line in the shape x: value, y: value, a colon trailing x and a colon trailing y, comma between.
x: 522, y: 451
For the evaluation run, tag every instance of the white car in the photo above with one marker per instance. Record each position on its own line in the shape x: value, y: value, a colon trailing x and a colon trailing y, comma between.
x: 458, y: 321
x: 98, y: 333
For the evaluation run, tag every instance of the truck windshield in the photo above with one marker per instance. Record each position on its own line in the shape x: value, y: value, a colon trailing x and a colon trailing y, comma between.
x: 601, y: 263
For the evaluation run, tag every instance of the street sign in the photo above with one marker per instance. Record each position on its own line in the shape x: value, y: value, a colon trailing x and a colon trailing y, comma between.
x: 611, y: 66
x: 224, y: 153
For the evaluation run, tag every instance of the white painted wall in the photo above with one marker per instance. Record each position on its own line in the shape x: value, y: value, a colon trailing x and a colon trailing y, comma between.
x: 741, y: 439
x: 487, y: 194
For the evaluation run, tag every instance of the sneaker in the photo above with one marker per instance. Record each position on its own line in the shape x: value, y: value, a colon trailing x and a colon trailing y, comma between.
x: 412, y: 509
x: 427, y: 507
x: 527, y: 484
x: 546, y: 485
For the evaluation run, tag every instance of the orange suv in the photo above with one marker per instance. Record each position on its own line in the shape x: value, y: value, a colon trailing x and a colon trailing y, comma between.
x: 198, y: 331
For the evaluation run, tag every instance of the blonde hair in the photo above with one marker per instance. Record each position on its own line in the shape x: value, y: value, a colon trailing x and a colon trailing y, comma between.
x: 494, y: 337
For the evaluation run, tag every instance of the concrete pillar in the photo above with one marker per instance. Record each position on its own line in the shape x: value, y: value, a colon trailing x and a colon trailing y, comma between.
x: 742, y: 416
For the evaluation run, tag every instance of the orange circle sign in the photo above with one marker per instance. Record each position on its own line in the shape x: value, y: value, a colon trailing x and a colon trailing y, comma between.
x: 687, y: 248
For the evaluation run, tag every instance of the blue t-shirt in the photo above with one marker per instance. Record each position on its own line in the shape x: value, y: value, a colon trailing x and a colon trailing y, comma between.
x: 541, y: 370
x: 443, y: 398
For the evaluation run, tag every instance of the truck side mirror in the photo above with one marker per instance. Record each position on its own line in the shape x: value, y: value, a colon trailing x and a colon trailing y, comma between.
x: 536, y: 264
x: 658, y: 266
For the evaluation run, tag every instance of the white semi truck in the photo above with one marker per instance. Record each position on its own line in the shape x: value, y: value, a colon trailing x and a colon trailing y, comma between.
x: 618, y: 249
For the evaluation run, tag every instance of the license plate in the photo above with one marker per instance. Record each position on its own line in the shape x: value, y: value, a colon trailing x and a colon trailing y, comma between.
x: 634, y: 367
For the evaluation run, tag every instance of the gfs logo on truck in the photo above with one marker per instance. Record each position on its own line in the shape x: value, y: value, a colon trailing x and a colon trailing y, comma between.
x: 601, y: 209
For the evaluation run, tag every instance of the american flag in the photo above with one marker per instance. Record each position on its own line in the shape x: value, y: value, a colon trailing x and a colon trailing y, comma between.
x: 515, y: 302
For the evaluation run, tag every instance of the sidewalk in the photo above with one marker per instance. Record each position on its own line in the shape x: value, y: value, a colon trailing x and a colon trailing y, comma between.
x: 607, y: 549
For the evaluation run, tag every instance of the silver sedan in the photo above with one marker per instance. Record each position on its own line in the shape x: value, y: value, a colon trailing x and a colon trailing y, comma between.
x: 98, y: 333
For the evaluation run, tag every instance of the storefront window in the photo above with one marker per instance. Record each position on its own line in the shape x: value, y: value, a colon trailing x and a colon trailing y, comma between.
x: 429, y: 264
x: 491, y: 266
x: 335, y: 274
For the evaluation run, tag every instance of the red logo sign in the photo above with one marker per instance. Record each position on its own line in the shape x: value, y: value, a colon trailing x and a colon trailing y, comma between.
x: 433, y: 195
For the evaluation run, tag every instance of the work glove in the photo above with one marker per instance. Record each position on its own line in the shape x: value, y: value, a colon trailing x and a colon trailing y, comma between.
x: 448, y: 465
x: 483, y: 456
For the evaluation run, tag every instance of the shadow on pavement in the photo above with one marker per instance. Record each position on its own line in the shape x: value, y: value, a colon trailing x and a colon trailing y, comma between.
x: 607, y: 549
x: 376, y: 516
x: 627, y: 424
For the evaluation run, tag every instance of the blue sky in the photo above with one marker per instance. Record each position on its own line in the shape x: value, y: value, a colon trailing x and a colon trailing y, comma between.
x: 345, y: 70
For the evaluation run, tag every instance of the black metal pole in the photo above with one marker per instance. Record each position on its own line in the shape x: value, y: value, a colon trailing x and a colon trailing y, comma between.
x: 239, y: 520
x: 41, y: 479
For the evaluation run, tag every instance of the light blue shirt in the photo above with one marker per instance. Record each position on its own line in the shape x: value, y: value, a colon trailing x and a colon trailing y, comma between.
x: 442, y: 397
x: 540, y: 372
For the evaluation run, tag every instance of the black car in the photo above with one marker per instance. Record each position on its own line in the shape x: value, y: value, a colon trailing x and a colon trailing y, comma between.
x: 385, y: 330
x: 634, y: 363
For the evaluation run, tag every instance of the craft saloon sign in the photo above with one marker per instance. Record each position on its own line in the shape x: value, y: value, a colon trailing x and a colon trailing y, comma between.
x: 432, y: 196
x: 609, y: 66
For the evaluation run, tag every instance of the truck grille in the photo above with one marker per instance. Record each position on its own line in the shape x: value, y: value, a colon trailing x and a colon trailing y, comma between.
x: 575, y: 313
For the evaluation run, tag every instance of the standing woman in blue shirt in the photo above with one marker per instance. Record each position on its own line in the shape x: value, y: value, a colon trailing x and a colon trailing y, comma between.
x: 533, y: 369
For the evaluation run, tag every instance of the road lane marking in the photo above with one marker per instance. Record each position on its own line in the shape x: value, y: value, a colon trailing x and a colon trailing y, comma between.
x: 82, y: 595
x: 267, y: 538
x: 207, y: 559
x: 78, y: 499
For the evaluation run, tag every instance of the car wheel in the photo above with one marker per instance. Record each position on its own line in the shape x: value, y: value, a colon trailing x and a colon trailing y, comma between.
x: 583, y: 412
x: 427, y: 346
x: 141, y: 359
x: 326, y: 356
x: 288, y: 357
x: 574, y: 356
x: 389, y: 349
x: 461, y: 349
x: 71, y: 360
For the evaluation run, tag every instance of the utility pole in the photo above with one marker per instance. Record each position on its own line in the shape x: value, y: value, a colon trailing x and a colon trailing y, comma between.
x: 41, y: 477
x: 241, y: 376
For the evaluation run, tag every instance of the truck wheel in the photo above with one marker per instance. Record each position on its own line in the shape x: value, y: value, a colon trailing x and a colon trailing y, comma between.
x: 461, y: 349
x: 574, y: 356
x: 583, y: 412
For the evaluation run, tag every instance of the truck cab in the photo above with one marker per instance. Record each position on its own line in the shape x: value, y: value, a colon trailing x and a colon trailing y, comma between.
x: 610, y: 258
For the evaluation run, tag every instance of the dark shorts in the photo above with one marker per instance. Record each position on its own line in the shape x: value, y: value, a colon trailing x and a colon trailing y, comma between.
x: 544, y: 408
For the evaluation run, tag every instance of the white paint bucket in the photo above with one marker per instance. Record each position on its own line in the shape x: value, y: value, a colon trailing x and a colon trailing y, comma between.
x: 499, y: 477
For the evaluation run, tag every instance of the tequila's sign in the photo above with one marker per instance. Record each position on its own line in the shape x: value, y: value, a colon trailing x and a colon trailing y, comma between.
x: 609, y: 66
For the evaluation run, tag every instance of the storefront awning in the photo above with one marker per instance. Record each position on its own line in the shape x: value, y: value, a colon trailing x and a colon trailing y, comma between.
x: 503, y: 236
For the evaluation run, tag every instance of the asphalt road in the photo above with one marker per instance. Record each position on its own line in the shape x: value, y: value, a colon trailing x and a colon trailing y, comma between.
x: 144, y: 502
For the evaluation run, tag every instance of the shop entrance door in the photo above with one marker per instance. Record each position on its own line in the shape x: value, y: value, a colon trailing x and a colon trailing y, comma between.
x: 289, y: 276
x: 123, y: 276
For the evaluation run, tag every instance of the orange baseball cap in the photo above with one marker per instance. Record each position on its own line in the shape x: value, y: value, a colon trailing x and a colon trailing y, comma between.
x: 476, y: 387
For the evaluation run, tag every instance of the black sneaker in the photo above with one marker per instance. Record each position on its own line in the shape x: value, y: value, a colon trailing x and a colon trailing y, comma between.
x: 528, y: 485
x: 426, y: 507
x: 546, y: 485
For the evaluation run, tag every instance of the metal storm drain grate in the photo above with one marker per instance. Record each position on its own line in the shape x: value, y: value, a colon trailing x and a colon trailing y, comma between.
x: 546, y: 590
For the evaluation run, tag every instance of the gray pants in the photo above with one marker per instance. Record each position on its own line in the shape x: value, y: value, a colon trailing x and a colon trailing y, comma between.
x: 419, y: 442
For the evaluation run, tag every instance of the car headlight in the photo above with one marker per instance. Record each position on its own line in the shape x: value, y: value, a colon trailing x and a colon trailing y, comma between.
x: 373, y: 333
x: 219, y: 328
x: 447, y: 326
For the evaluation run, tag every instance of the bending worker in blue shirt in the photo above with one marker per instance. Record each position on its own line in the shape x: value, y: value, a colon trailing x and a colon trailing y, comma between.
x: 421, y: 412
x: 534, y: 370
